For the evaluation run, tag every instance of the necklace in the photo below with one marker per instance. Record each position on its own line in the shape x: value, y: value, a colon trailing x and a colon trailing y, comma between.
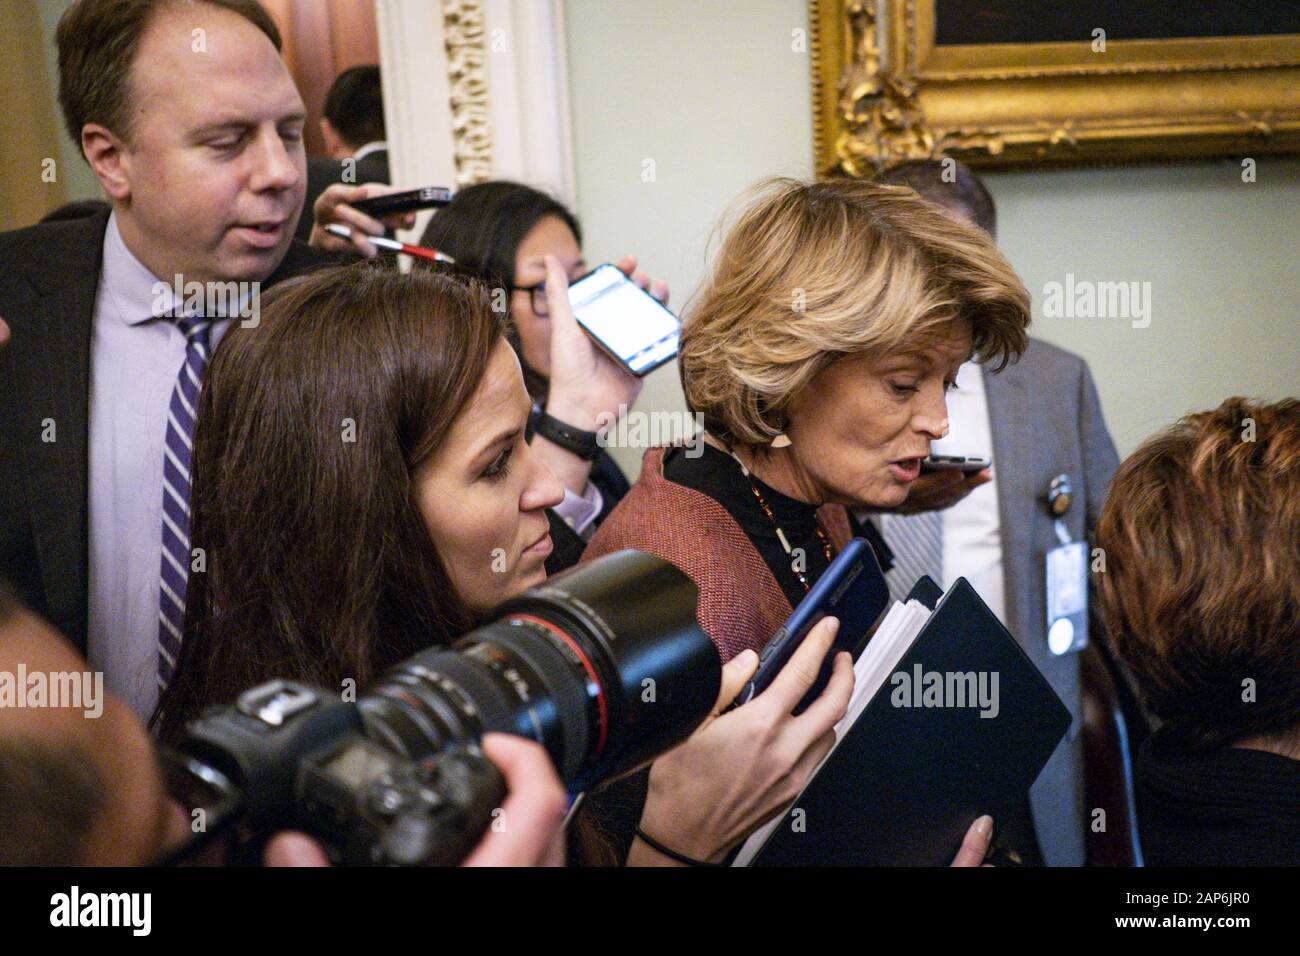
x: 780, y: 534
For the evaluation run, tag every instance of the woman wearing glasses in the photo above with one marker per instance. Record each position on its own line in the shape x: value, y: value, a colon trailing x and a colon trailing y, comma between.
x: 504, y: 232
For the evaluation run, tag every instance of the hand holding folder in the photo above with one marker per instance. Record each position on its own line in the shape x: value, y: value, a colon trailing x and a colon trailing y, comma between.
x: 949, y: 720
x: 739, y: 764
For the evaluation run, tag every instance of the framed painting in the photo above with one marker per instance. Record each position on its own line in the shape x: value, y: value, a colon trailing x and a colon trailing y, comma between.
x: 1032, y: 82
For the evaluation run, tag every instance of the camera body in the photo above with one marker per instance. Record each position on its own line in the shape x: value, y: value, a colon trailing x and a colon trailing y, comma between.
x: 605, y: 666
x: 307, y: 765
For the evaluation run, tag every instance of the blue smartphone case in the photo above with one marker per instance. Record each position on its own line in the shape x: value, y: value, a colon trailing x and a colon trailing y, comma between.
x: 852, y: 589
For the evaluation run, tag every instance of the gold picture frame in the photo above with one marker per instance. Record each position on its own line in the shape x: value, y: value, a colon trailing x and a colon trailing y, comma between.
x: 884, y: 92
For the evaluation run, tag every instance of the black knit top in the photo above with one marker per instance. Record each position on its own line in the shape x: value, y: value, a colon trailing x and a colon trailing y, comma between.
x: 1227, y: 806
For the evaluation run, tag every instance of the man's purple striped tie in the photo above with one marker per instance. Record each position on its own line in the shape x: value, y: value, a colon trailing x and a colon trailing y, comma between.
x: 181, y: 415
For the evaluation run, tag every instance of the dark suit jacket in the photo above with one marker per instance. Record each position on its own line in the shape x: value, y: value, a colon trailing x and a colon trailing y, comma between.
x: 49, y: 274
x: 323, y: 172
x: 1046, y: 420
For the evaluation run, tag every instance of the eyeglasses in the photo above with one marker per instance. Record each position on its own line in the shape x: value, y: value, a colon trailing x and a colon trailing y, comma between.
x: 537, y: 295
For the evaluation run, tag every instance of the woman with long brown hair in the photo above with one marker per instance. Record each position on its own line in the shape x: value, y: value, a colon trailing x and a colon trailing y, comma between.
x: 312, y: 558
x: 363, y: 489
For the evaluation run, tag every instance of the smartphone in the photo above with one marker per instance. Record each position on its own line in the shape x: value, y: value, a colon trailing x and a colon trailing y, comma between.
x: 430, y: 197
x: 628, y: 324
x: 853, y: 589
x: 967, y: 464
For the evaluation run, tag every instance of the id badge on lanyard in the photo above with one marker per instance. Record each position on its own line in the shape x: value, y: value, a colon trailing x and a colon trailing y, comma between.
x: 1067, y: 577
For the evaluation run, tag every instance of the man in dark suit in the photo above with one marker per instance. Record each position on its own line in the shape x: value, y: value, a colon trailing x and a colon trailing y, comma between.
x: 353, y: 128
x: 193, y: 127
x: 1036, y: 419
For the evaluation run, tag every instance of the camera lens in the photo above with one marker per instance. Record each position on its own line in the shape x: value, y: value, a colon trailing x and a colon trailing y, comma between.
x: 604, y: 665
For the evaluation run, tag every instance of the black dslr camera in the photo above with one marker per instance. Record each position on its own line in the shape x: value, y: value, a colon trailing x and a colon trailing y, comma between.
x: 294, y: 757
x: 604, y: 665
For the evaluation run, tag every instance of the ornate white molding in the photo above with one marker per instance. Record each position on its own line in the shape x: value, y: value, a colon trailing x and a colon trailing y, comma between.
x: 467, y: 54
x: 477, y: 89
x: 417, y: 96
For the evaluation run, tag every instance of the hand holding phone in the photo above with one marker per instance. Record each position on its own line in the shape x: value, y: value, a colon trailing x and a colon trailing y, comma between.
x: 337, y: 206
x: 739, y: 768
x: 629, y: 324
x: 854, y: 591
x: 936, y: 490
x: 587, y: 388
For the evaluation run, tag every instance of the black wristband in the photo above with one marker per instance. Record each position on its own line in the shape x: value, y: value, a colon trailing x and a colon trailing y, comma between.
x: 586, y: 445
x: 671, y: 854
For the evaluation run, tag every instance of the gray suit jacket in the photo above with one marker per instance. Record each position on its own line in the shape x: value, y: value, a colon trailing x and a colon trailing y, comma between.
x: 1046, y: 420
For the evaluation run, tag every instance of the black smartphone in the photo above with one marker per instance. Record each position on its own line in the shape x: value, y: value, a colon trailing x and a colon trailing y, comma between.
x: 967, y: 464
x: 430, y: 197
x: 629, y: 324
x: 852, y: 589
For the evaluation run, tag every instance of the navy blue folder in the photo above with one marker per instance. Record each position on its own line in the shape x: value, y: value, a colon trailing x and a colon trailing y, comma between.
x: 906, y: 782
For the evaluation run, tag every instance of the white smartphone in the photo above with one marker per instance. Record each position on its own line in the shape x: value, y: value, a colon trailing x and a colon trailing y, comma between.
x: 629, y: 324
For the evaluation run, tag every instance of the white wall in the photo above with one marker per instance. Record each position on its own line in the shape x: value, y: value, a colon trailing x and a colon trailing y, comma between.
x: 711, y: 91
x: 1223, y: 260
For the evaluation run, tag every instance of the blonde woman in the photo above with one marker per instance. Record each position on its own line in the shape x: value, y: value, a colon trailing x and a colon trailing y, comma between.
x: 818, y: 353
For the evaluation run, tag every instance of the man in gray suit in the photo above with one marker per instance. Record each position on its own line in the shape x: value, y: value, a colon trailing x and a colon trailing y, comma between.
x: 1036, y: 420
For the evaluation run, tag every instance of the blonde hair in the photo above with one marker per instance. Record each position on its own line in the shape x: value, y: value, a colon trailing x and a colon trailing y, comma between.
x: 815, y: 272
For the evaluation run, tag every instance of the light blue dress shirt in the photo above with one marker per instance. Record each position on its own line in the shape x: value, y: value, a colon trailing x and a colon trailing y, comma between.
x: 134, y: 362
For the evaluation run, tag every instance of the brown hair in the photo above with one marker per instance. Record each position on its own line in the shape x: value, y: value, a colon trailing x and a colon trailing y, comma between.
x: 1201, y: 589
x: 319, y: 566
x: 97, y: 41
x: 51, y: 791
x: 814, y: 272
